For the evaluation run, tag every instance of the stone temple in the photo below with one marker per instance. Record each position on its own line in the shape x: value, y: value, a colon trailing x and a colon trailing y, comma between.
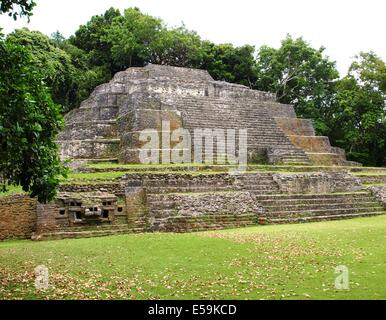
x: 107, y: 125
x: 292, y: 175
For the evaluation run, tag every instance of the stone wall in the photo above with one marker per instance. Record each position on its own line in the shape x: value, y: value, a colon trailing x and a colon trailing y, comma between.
x: 136, y: 208
x: 174, y: 182
x: 295, y: 126
x: 281, y: 110
x: 49, y: 219
x: 372, y: 179
x: 319, y: 182
x: 318, y: 144
x: 17, y: 217
x: 380, y: 193
x: 115, y: 188
x: 193, y: 212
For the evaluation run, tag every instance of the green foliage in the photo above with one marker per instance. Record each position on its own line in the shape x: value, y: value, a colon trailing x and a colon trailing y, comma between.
x: 57, y: 38
x: 29, y: 122
x: 55, y: 64
x: 25, y: 8
x: 130, y: 37
x: 351, y: 111
x: 227, y: 63
x: 177, y: 47
x: 92, y: 40
x: 300, y: 75
x: 359, y: 113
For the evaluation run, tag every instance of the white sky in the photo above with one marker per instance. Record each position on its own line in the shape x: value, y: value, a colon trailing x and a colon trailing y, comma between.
x: 344, y: 27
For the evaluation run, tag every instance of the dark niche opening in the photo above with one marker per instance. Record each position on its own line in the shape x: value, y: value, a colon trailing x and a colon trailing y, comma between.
x: 105, y: 213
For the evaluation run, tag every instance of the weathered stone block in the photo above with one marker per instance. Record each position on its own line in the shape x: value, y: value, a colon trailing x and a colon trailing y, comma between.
x: 295, y: 126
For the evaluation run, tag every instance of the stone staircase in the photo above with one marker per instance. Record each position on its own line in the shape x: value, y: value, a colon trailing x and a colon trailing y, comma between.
x: 183, y: 212
x: 89, y: 231
x: 224, y: 113
x: 285, y: 208
x: 258, y: 183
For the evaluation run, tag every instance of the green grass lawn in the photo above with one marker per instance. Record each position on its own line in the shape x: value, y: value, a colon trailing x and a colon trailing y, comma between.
x: 369, y: 173
x: 262, y: 262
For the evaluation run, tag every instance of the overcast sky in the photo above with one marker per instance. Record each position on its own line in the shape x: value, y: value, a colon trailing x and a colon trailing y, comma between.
x: 344, y: 27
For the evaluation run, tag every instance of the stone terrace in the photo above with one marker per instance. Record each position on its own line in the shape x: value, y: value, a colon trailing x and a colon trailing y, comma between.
x: 187, y: 198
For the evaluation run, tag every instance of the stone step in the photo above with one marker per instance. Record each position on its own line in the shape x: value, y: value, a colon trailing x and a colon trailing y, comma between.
x: 251, y: 127
x: 85, y: 227
x: 294, y: 156
x: 320, y: 218
x: 372, y: 179
x: 303, y: 163
x: 92, y: 122
x: 203, y: 223
x: 256, y: 182
x: 368, y: 169
x: 324, y: 196
x: 319, y: 205
x: 187, y: 189
x: 254, y: 187
x: 316, y: 201
x: 106, y: 160
x: 85, y: 234
x: 322, y: 212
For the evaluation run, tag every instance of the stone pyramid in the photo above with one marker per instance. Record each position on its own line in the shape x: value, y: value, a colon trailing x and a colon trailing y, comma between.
x: 107, y: 125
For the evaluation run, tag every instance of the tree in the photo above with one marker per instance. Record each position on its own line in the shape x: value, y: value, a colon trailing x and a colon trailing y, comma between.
x: 176, y: 47
x: 25, y: 8
x: 131, y: 37
x: 227, y: 63
x: 29, y: 122
x: 359, y: 118
x: 55, y: 64
x: 300, y: 75
x: 57, y: 39
x: 87, y: 76
x: 92, y: 38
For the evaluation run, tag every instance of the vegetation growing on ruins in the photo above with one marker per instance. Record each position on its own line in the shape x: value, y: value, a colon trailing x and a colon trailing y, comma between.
x: 12, y: 190
x: 232, y: 264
